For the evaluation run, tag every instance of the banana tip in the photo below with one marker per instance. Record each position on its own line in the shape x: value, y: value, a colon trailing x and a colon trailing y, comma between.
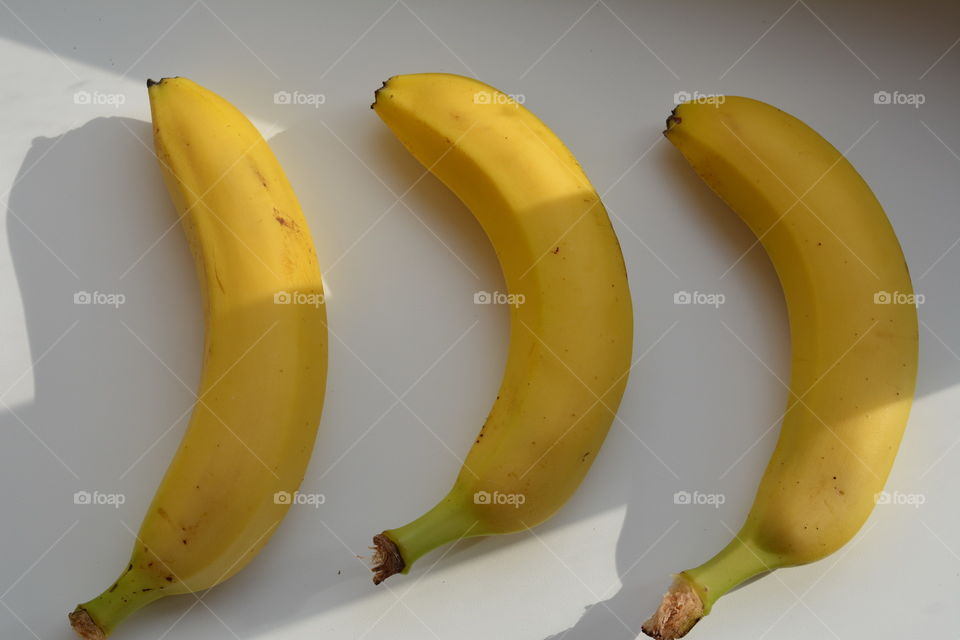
x: 386, y: 558
x: 151, y: 81
x: 672, y: 120
x: 84, y: 625
x: 376, y: 94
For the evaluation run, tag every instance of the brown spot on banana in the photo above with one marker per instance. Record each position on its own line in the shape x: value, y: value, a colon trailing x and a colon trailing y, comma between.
x: 284, y: 221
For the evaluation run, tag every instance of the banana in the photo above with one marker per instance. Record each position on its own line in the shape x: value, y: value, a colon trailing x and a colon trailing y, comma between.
x: 571, y: 327
x: 853, y: 338
x: 264, y: 363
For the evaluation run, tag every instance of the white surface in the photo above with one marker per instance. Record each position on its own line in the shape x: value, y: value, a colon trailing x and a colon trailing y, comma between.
x: 88, y: 404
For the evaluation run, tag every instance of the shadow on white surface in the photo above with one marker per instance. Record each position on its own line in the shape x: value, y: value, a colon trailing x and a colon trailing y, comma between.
x: 94, y: 201
x: 108, y: 204
x: 89, y: 221
x: 114, y: 375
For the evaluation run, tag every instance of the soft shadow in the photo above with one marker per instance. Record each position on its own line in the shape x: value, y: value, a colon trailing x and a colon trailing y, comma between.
x: 113, y: 387
x: 89, y: 213
x: 84, y: 208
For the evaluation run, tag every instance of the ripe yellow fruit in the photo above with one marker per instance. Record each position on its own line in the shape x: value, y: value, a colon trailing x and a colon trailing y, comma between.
x: 854, y: 340
x: 571, y: 336
x: 264, y: 361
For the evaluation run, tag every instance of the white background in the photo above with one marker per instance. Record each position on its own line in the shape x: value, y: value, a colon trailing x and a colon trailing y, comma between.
x: 94, y: 398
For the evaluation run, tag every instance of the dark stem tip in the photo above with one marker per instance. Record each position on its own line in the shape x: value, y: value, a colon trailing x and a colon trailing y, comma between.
x: 151, y: 82
x: 386, y: 558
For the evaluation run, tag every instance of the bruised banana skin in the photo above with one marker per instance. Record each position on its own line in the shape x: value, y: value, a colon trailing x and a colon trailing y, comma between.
x: 571, y: 338
x: 853, y: 337
x: 264, y: 364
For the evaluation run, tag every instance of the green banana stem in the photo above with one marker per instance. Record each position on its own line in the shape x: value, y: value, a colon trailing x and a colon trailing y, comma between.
x: 397, y: 549
x: 735, y: 564
x: 96, y: 619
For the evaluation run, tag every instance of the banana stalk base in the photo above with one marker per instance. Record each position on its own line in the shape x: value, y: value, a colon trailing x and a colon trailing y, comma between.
x: 84, y: 625
x: 387, y: 560
x: 680, y: 609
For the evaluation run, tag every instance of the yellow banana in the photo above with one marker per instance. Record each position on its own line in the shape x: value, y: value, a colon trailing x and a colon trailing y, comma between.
x: 264, y: 361
x: 570, y: 324
x: 854, y: 340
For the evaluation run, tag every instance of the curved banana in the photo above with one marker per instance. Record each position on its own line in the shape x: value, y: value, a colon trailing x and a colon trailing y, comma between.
x: 854, y: 341
x: 264, y: 361
x: 571, y: 326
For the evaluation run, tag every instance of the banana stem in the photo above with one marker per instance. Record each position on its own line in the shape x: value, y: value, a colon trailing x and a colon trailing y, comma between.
x: 398, y: 549
x: 736, y: 563
x: 96, y: 619
x: 694, y: 591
